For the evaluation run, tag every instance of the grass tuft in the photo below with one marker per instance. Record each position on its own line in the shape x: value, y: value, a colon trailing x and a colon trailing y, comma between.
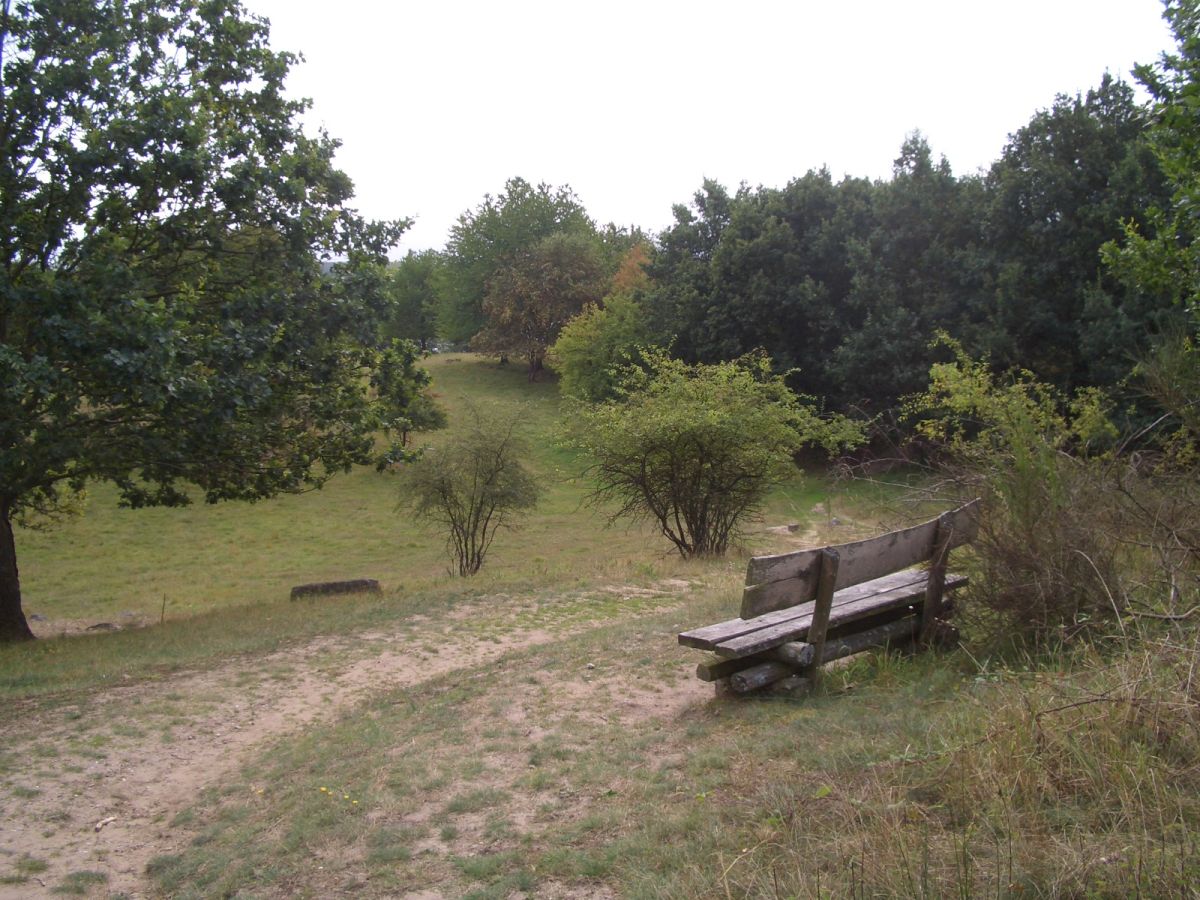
x: 80, y: 883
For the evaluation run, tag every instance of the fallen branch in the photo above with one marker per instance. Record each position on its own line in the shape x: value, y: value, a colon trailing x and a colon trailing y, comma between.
x: 1178, y: 617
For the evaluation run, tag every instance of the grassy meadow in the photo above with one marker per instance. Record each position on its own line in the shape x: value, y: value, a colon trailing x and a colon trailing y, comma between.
x: 112, y: 561
x: 589, y: 763
x: 218, y: 577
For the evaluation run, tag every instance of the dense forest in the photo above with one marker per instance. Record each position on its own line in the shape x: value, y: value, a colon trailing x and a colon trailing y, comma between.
x: 844, y: 284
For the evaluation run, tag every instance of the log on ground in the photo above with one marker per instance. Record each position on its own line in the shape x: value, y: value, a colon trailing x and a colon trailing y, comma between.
x: 760, y: 676
x: 714, y: 669
x: 324, y: 588
x: 897, y: 632
x: 797, y: 654
x: 774, y: 671
x: 792, y: 686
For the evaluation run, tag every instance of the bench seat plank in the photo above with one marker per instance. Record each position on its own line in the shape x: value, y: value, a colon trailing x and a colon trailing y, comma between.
x: 845, y: 609
x: 709, y: 636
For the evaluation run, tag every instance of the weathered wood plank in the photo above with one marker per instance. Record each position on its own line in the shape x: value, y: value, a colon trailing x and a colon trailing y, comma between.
x: 964, y: 523
x: 780, y: 566
x: 709, y: 636
x: 762, y: 639
x: 759, y: 599
x: 777, y: 582
x: 788, y: 579
x: 878, y: 556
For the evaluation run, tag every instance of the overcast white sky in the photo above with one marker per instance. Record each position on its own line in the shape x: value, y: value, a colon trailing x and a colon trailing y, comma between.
x: 633, y: 103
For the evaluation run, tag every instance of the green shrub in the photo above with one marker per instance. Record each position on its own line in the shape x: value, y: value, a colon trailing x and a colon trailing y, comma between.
x: 1073, y: 531
x: 695, y: 448
x: 594, y: 347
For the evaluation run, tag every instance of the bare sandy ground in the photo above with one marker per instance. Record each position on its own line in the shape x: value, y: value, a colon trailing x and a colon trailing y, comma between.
x: 106, y: 775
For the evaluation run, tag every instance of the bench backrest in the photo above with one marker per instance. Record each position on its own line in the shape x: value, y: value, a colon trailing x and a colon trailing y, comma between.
x: 789, y: 579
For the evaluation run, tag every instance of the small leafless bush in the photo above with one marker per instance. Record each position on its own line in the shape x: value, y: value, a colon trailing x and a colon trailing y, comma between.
x: 471, y: 487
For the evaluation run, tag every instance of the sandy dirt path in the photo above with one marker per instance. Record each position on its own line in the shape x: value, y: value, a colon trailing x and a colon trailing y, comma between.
x: 107, y: 774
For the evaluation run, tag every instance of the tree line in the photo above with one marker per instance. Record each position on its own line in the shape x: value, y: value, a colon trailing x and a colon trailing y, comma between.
x: 843, y: 283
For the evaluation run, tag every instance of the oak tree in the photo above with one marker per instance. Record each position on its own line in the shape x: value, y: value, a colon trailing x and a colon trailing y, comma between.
x: 490, y: 238
x: 529, y: 301
x: 165, y: 322
x: 412, y: 290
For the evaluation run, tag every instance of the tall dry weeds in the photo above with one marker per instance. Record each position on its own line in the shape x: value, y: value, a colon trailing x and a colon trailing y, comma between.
x: 1083, y: 782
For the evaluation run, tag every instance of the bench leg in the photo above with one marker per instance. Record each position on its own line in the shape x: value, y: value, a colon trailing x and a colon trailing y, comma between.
x: 826, y: 583
x: 931, y: 609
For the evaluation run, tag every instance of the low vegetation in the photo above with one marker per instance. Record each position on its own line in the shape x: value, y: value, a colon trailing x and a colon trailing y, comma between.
x: 472, y: 487
x: 1047, y: 549
x: 1056, y: 771
x: 695, y: 449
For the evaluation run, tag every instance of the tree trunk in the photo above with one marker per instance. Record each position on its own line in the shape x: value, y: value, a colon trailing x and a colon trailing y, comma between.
x: 13, y: 626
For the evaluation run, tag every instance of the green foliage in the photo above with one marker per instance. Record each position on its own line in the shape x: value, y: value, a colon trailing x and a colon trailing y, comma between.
x: 1022, y: 425
x: 163, y: 314
x: 492, y: 237
x: 845, y: 282
x: 681, y: 269
x: 593, y: 349
x: 472, y: 487
x: 412, y: 291
x: 914, y: 272
x: 403, y: 402
x: 1171, y: 375
x: 1166, y: 261
x: 840, y: 282
x: 1162, y: 259
x: 695, y: 448
x: 1056, y: 196
x: 1049, y: 560
x: 529, y: 300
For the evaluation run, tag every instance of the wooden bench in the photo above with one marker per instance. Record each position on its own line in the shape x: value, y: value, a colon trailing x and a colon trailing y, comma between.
x: 803, y: 609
